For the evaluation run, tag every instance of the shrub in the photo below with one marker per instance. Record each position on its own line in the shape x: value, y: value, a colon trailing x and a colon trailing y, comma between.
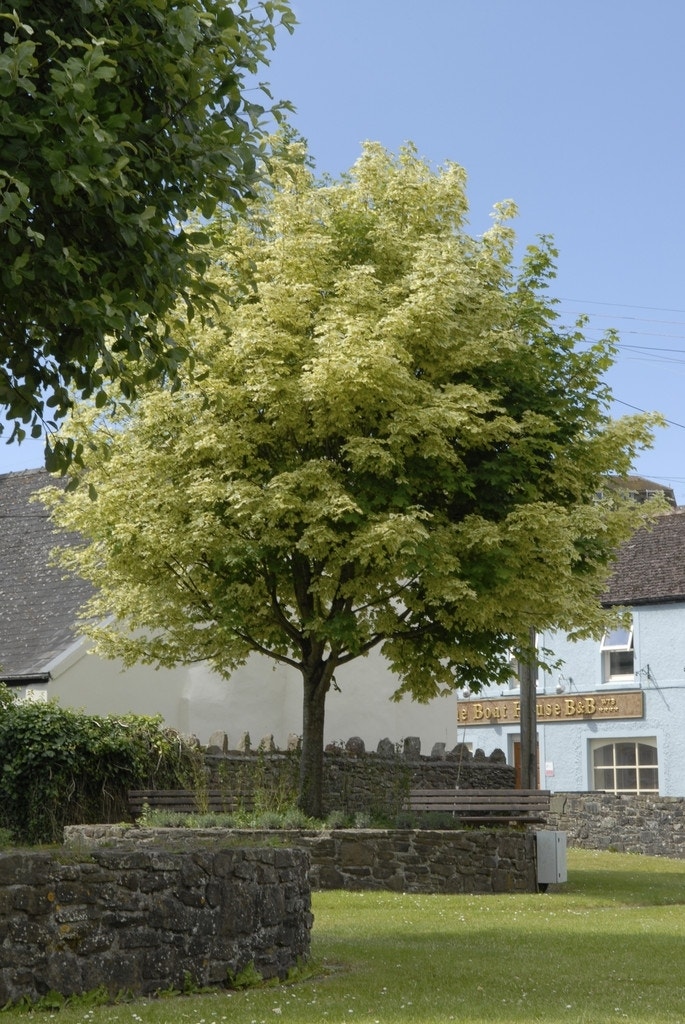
x: 59, y: 766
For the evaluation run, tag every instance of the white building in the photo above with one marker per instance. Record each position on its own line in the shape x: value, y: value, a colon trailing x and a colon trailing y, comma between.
x: 41, y: 655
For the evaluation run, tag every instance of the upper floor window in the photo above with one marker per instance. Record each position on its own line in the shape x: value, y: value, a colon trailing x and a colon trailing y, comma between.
x: 516, y: 667
x: 618, y: 655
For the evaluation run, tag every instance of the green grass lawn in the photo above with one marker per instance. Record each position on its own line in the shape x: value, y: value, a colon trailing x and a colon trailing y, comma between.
x: 607, y: 946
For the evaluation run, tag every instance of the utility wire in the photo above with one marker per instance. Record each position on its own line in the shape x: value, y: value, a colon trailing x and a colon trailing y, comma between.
x: 636, y: 408
x: 622, y: 316
x: 623, y: 305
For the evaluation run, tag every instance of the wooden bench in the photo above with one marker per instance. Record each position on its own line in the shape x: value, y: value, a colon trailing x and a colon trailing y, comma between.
x: 186, y: 801
x: 483, y: 806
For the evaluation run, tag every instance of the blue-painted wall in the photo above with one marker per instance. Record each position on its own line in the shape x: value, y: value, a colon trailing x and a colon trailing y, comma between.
x: 565, y: 746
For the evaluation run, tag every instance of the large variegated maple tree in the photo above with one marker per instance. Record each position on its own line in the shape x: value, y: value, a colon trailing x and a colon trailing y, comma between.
x: 389, y: 445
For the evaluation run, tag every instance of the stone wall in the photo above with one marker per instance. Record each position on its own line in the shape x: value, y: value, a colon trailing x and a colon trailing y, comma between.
x: 355, y: 780
x: 653, y: 825
x: 424, y: 860
x: 146, y: 919
x: 475, y: 860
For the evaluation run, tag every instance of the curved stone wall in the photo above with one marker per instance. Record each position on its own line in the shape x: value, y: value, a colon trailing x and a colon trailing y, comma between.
x: 144, y: 919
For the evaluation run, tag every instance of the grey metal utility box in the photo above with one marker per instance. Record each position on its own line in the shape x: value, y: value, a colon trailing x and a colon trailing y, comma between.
x: 551, y: 855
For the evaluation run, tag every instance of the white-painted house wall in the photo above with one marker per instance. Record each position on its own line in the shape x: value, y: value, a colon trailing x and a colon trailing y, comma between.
x: 259, y: 699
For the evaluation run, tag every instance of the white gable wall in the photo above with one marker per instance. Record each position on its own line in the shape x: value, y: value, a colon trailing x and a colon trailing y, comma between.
x: 259, y: 699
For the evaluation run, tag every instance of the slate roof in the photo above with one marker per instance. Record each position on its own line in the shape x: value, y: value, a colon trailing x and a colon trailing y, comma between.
x: 650, y: 567
x: 38, y: 607
x: 640, y: 488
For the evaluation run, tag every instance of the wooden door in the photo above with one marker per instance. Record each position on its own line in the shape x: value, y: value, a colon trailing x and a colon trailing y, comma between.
x: 517, y: 762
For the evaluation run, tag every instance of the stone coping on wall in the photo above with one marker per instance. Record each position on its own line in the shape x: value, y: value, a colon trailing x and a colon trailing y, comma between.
x: 470, y: 860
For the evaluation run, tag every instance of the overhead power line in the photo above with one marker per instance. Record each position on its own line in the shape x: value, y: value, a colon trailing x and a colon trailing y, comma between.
x: 636, y: 408
x: 640, y: 327
x: 622, y: 316
x: 622, y: 305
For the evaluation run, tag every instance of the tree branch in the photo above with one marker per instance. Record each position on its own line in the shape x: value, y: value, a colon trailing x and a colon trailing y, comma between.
x: 281, y: 618
x: 261, y: 649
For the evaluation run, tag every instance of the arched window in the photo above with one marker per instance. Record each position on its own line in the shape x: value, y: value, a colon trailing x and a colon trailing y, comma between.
x: 625, y: 766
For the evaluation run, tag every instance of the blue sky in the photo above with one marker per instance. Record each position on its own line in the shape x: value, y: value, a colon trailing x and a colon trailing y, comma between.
x: 573, y: 110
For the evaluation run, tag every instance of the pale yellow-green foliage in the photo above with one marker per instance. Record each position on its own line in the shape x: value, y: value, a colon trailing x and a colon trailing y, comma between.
x: 385, y: 441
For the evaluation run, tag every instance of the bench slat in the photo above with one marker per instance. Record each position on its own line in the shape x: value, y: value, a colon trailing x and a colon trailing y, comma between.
x: 497, y: 802
x: 454, y: 805
x: 523, y: 806
x: 184, y: 800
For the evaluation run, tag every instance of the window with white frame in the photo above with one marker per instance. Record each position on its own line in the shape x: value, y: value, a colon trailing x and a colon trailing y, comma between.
x: 515, y: 667
x: 625, y: 766
x: 618, y: 655
x: 514, y: 681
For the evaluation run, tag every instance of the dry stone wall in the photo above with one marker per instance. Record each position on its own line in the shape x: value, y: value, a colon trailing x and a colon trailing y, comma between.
x: 357, y: 781
x: 147, y: 919
x: 647, y: 824
x: 424, y: 860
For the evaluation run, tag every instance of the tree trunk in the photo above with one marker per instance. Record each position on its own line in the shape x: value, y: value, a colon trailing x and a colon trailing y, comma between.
x: 317, y: 680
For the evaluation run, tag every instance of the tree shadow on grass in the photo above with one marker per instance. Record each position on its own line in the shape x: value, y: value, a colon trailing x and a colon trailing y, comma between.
x: 648, y: 886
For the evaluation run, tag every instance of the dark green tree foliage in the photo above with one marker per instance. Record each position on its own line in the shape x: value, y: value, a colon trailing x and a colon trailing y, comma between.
x: 118, y: 119
x: 60, y: 767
